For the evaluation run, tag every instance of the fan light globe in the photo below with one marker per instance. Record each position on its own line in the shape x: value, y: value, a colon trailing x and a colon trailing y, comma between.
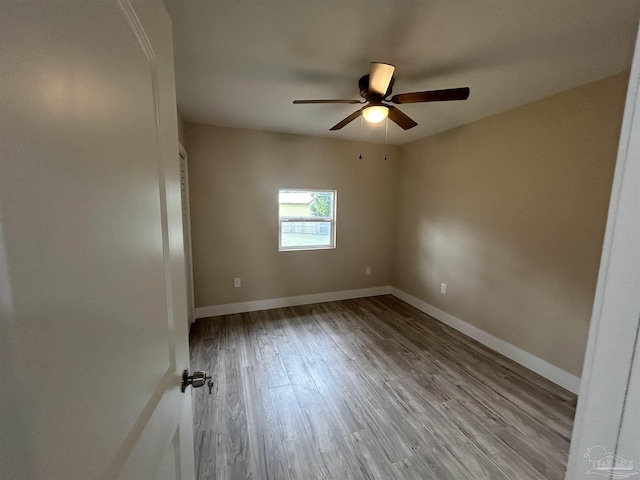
x: 375, y: 114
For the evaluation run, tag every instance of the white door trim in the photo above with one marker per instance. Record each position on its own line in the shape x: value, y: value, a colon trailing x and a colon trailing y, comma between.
x: 188, y: 250
x: 615, y: 321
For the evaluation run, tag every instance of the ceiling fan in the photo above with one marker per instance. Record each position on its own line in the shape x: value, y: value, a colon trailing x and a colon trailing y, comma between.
x: 376, y: 87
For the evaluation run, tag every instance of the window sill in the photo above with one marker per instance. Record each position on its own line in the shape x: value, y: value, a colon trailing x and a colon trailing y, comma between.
x: 306, y: 248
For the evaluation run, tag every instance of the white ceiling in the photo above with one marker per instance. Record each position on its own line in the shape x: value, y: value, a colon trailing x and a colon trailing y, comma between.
x: 242, y: 62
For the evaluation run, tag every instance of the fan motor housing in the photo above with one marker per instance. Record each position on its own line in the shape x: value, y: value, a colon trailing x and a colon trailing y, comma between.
x: 363, y: 85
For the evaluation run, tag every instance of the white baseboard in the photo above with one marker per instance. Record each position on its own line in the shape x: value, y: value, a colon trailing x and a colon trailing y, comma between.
x: 526, y: 359
x: 230, y: 308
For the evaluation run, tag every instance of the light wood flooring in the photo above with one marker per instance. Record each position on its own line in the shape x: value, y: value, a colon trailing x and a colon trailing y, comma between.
x: 368, y: 389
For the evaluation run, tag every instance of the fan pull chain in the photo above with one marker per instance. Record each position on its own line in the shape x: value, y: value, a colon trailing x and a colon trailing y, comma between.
x: 386, y: 136
x: 361, y: 128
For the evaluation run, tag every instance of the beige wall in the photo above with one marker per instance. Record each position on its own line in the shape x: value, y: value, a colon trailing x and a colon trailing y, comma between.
x: 510, y: 212
x: 234, y: 178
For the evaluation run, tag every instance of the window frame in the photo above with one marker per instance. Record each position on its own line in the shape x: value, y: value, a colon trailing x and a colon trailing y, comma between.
x: 330, y: 220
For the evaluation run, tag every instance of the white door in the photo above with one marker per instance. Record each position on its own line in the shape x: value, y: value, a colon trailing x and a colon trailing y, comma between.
x: 93, y: 333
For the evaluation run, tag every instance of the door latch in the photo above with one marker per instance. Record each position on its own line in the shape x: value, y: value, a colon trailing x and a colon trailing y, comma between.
x: 196, y: 380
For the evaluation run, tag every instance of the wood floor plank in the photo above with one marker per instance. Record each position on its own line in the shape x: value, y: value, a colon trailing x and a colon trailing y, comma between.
x: 333, y: 399
x: 358, y: 394
x: 305, y: 463
x: 435, y: 461
x: 325, y: 438
x: 313, y: 333
x: 401, y: 419
x: 303, y: 385
x: 210, y: 426
x: 266, y: 449
x: 237, y: 471
x: 303, y: 458
x: 416, y: 467
x: 368, y: 388
x: 236, y: 441
x: 275, y: 322
x: 288, y: 413
x: 366, y: 457
x: 276, y: 374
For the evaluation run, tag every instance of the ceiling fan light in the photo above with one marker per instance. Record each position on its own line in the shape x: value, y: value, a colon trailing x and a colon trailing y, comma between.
x: 375, y: 113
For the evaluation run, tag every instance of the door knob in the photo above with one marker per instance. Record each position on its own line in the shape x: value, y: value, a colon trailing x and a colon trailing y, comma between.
x: 196, y: 380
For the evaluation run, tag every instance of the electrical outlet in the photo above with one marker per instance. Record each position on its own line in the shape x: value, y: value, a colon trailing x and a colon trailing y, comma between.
x: 237, y: 282
x: 367, y: 271
x: 443, y: 288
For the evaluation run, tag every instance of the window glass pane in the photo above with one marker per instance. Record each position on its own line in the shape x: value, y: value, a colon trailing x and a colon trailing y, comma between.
x: 295, y: 203
x: 297, y: 234
x: 321, y: 205
x: 306, y: 203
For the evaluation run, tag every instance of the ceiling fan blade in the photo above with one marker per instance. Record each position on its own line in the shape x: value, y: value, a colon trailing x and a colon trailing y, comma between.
x: 347, y: 120
x: 379, y: 77
x: 400, y: 118
x: 432, y: 96
x: 299, y: 102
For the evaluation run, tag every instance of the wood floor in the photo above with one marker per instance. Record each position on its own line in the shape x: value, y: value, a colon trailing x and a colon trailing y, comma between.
x: 368, y: 389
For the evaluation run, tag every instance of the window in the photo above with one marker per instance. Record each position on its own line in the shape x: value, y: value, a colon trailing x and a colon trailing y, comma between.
x: 307, y: 219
